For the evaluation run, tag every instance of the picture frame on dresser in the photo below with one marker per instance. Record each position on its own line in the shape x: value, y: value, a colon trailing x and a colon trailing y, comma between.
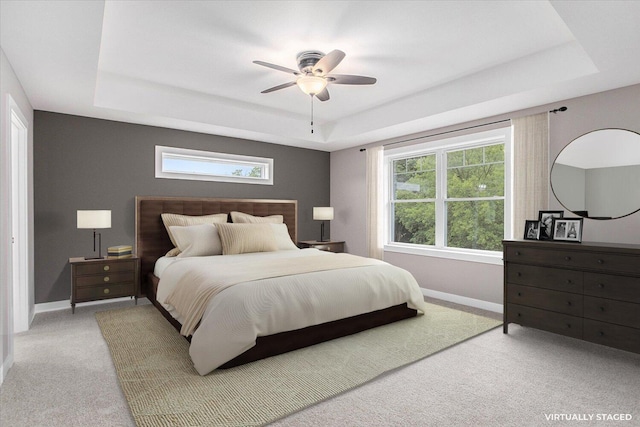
x: 531, y: 229
x: 567, y: 229
x: 546, y: 223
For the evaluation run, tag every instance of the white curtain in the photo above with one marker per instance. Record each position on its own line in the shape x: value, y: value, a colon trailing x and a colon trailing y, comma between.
x: 374, y: 202
x: 530, y: 169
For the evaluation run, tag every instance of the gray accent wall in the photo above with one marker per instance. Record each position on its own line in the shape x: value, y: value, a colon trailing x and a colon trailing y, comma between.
x: 85, y: 163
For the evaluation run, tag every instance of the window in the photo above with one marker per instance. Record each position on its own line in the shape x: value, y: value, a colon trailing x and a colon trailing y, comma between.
x: 450, y: 197
x: 182, y: 163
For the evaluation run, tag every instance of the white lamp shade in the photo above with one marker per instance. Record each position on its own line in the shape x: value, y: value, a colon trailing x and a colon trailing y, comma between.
x: 323, y: 213
x: 311, y: 85
x: 94, y: 219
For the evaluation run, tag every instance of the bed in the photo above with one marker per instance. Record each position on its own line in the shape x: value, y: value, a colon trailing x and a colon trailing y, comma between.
x: 153, y: 242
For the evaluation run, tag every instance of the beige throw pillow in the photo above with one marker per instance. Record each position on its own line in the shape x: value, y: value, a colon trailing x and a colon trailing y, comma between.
x: 197, y: 240
x: 283, y: 239
x: 170, y: 220
x: 244, y: 218
x: 246, y: 238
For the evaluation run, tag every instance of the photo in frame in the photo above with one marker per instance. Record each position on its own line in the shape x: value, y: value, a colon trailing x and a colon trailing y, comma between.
x: 531, y: 229
x: 567, y: 229
x: 546, y: 223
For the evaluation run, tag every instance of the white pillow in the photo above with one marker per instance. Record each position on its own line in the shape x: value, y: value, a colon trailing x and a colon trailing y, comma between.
x: 240, y: 217
x: 197, y: 240
x: 170, y: 219
x: 246, y: 238
x: 283, y: 239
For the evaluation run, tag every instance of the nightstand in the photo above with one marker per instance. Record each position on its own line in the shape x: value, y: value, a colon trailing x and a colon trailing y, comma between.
x: 329, y: 245
x: 97, y: 279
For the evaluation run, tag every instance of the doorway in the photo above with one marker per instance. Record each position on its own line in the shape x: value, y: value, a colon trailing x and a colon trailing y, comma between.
x: 19, y: 219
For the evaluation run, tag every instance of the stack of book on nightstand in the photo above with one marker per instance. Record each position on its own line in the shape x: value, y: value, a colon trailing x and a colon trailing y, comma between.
x: 120, y: 251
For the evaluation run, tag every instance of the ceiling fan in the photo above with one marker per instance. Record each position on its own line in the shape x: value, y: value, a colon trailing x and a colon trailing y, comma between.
x: 313, y: 76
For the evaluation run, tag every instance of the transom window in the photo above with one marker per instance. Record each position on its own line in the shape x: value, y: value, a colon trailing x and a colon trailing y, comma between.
x: 182, y: 163
x: 451, y: 194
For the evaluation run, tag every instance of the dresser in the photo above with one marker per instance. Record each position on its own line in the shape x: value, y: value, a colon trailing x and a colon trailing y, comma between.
x: 589, y: 291
x: 97, y: 279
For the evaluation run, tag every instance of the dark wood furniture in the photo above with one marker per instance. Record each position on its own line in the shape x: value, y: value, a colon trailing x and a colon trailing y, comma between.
x: 329, y: 245
x: 589, y: 291
x: 97, y: 279
x: 152, y: 242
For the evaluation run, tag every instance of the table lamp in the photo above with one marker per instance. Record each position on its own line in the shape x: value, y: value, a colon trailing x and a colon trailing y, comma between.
x: 322, y: 214
x: 95, y: 220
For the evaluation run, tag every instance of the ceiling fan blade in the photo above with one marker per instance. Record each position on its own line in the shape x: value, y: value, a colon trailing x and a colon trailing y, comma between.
x: 324, y: 95
x: 282, y: 86
x: 277, y: 67
x: 347, y: 79
x: 328, y: 62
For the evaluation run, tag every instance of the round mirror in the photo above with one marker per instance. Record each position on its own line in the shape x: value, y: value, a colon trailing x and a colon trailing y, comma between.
x: 597, y: 175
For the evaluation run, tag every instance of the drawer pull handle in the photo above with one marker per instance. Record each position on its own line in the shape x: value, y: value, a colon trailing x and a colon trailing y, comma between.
x: 569, y: 303
x: 567, y: 258
x: 519, y: 314
x: 569, y: 281
x: 519, y: 294
x: 106, y: 290
x: 517, y: 252
x: 519, y: 274
x: 600, y: 261
x: 568, y: 325
x: 601, y: 333
x: 601, y: 308
x: 601, y: 285
x: 106, y: 278
x: 106, y: 268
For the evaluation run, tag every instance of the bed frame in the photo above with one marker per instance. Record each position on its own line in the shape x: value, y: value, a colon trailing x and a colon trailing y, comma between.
x: 152, y: 242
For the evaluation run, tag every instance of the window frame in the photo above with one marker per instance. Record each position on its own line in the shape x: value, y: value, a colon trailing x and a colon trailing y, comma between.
x: 162, y: 152
x: 440, y: 147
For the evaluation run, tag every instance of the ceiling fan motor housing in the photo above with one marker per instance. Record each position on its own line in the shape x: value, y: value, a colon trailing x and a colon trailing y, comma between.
x: 307, y: 59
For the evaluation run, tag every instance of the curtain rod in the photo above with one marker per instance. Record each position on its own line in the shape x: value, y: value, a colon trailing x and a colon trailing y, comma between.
x: 555, y: 111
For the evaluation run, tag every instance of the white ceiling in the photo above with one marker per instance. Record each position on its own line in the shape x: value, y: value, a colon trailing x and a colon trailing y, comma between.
x: 188, y: 65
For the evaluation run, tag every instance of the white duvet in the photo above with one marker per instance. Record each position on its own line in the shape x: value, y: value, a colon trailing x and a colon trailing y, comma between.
x: 235, y: 317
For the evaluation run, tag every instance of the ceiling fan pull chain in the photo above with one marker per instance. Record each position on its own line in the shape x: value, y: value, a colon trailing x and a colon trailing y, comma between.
x: 311, y: 113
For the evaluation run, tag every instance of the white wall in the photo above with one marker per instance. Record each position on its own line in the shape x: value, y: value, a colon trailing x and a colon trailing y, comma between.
x: 9, y: 85
x: 617, y: 108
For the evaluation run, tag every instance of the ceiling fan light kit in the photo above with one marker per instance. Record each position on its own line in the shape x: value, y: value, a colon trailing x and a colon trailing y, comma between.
x: 313, y: 77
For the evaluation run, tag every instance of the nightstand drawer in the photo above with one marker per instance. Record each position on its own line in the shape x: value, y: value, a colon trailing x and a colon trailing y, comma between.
x: 329, y: 246
x: 105, y: 267
x: 90, y: 293
x: 105, y: 279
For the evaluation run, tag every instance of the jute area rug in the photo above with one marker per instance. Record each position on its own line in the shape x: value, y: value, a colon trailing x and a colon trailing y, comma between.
x: 163, y: 389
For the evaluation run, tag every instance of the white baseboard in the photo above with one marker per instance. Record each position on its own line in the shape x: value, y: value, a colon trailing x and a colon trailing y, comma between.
x: 66, y: 304
x: 4, y: 368
x: 471, y: 302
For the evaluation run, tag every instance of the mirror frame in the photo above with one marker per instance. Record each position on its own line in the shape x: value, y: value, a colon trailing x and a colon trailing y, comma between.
x: 556, y: 159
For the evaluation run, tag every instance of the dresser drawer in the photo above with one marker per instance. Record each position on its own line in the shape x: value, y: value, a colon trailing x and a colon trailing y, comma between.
x: 560, y: 302
x: 105, y: 267
x: 543, y: 277
x: 614, y: 287
x: 618, y: 312
x: 541, y: 319
x: 101, y: 279
x: 621, y: 337
x: 91, y: 293
x: 531, y: 255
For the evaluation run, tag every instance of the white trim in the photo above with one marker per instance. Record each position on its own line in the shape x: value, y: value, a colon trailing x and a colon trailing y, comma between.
x: 45, y: 307
x: 471, y: 302
x: 5, y: 367
x: 483, y: 257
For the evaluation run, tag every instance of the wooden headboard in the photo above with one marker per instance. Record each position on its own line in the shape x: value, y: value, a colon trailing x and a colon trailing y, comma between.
x: 152, y: 240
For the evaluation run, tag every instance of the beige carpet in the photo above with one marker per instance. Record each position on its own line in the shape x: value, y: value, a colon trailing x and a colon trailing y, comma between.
x: 163, y: 389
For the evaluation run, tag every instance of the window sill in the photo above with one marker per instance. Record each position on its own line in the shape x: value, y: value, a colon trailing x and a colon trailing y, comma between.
x: 484, y: 257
